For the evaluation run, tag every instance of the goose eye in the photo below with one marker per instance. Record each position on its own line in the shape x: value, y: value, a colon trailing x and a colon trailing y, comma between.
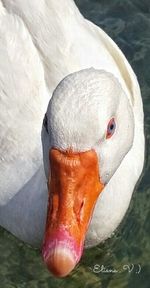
x: 111, y: 128
x: 45, y: 123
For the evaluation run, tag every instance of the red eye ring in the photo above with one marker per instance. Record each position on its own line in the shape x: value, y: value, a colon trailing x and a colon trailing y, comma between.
x: 111, y: 128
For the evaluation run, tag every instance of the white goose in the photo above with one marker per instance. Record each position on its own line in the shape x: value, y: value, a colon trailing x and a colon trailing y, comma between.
x: 92, y: 133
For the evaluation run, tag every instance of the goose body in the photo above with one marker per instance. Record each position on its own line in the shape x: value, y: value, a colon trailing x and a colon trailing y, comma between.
x: 39, y: 47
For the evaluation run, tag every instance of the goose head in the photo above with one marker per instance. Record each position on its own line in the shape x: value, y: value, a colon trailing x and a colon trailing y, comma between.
x: 88, y: 129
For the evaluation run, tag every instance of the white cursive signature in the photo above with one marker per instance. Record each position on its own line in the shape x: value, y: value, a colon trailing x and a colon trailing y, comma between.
x: 136, y: 268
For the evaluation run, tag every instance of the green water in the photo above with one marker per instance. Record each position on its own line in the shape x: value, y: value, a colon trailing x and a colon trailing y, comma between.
x: 128, y: 23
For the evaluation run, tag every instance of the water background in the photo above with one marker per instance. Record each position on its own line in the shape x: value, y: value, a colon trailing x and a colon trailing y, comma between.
x: 128, y: 23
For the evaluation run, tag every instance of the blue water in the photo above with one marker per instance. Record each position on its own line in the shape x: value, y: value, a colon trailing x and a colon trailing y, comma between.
x: 126, y: 255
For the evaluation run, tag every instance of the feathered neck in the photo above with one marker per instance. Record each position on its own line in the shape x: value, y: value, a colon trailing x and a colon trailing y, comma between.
x: 52, y: 25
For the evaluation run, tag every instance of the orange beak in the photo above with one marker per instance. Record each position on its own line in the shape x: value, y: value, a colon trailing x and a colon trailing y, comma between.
x: 74, y: 186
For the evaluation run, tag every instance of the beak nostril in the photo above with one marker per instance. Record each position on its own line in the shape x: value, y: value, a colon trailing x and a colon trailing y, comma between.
x: 53, y: 207
x: 81, y: 210
x: 78, y: 210
x: 81, y: 205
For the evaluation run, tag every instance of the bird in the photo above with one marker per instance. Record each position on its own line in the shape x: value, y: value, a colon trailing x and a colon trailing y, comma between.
x: 72, y: 137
